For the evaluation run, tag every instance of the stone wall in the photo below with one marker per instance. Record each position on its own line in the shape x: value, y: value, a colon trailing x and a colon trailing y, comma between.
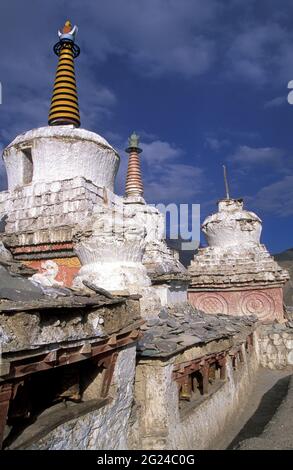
x: 158, y: 423
x: 205, y: 423
x: 43, y: 205
x: 47, y: 323
x: 171, y: 294
x: 276, y: 346
x: 105, y: 428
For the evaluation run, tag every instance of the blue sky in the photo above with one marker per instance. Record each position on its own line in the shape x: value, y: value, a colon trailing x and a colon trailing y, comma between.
x: 203, y: 82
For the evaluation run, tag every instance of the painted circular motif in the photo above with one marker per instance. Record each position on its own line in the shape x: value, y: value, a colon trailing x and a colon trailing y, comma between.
x: 257, y: 303
x: 211, y: 303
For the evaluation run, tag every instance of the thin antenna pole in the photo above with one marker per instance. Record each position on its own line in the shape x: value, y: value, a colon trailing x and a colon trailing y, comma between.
x: 226, y: 182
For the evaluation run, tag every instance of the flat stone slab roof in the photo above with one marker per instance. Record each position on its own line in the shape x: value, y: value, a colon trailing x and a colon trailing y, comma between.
x: 181, y: 326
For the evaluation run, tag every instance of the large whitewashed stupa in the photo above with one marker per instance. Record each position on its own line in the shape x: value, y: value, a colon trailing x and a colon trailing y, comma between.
x: 60, y: 205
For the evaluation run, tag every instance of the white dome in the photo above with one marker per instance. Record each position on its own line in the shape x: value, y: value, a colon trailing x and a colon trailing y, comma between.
x: 57, y: 153
x: 232, y: 226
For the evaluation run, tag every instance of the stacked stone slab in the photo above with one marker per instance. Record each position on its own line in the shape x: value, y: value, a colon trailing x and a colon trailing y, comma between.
x: 235, y: 274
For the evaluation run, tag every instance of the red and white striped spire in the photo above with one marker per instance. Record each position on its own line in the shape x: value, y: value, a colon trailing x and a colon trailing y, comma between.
x: 134, y: 183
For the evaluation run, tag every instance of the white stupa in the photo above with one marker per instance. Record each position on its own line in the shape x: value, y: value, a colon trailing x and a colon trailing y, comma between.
x: 235, y: 274
x: 60, y: 206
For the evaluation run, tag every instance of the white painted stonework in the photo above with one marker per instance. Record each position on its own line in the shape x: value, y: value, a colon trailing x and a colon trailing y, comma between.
x: 105, y: 428
x: 56, y: 175
x: 234, y: 257
x: 111, y: 253
x: 4, y: 203
x: 118, y: 247
x: 159, y: 424
x: 161, y: 263
x: 232, y: 226
x: 59, y: 153
x: 157, y: 257
x: 111, y: 249
x: 61, y: 183
x: 5, y: 255
x: 171, y: 294
x: 50, y: 205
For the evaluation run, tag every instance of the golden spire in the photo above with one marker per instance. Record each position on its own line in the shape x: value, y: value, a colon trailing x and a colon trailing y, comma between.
x: 64, y: 105
x: 134, y: 184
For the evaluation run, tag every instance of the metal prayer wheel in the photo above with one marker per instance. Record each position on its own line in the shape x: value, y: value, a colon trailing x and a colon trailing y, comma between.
x: 185, y: 392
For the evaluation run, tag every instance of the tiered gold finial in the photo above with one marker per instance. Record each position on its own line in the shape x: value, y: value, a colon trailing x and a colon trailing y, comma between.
x: 64, y: 105
x: 134, y: 184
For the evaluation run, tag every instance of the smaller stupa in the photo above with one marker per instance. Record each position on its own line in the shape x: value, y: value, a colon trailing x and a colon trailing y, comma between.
x: 134, y: 183
x: 235, y: 274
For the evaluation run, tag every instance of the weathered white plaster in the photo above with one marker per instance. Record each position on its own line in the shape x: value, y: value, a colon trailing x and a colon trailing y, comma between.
x: 106, y: 428
x: 114, y: 276
x: 112, y: 248
x: 234, y: 257
x: 206, y: 423
x: 232, y: 225
x: 157, y: 257
x: 171, y: 294
x: 4, y: 253
x: 59, y: 153
x: 50, y: 205
x: 150, y: 303
x: 5, y: 203
x: 160, y: 425
x: 120, y: 242
x: 111, y: 253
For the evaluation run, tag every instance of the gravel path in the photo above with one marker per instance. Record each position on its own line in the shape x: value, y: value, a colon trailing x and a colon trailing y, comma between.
x: 267, y: 420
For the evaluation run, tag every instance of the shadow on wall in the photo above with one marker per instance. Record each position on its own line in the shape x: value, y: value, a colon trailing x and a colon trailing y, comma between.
x: 285, y: 259
x: 268, y: 406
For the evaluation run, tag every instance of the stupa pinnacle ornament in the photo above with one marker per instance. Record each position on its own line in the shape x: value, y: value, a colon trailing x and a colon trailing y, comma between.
x: 226, y: 182
x: 134, y: 184
x: 64, y: 105
x: 133, y: 141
